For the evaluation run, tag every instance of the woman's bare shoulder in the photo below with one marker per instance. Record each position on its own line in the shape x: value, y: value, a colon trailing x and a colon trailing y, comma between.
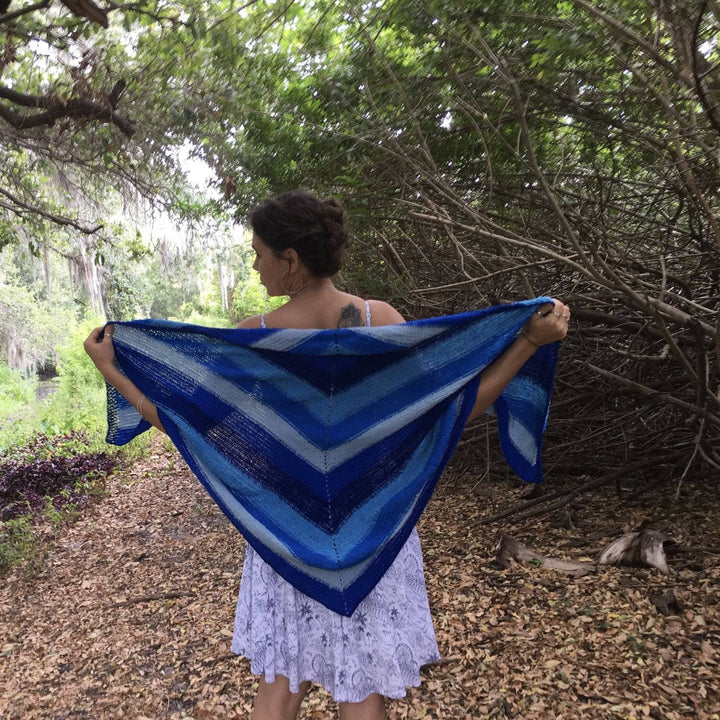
x: 255, y: 321
x: 382, y: 313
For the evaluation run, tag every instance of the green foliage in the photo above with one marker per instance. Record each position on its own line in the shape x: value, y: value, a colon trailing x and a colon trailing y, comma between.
x: 27, y: 328
x: 66, y: 176
x: 17, y: 541
x: 17, y: 406
x: 79, y: 402
x: 77, y: 373
x: 174, y: 290
x: 35, y: 304
x: 194, y: 317
x: 249, y: 297
x: 19, y: 423
x: 75, y: 400
x: 15, y: 389
x: 128, y: 281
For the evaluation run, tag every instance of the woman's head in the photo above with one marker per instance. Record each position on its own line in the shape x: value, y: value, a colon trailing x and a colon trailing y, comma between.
x: 300, y: 221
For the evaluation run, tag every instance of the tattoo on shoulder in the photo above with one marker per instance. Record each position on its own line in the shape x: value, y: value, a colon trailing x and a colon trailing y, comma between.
x: 350, y: 317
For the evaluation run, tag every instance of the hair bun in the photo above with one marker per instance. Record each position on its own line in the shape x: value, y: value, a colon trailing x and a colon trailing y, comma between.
x: 334, y: 210
x: 313, y: 227
x: 334, y: 224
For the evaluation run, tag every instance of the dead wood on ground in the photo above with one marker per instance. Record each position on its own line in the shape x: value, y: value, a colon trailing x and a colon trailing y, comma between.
x: 510, y: 549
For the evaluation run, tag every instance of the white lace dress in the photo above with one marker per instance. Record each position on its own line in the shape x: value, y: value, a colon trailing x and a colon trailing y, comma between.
x: 379, y: 649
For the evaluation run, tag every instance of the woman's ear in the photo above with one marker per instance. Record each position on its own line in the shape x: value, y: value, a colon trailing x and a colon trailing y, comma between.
x: 293, y: 259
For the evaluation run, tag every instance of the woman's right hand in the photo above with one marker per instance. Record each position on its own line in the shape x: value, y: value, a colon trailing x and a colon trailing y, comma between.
x: 548, y: 324
x: 99, y: 347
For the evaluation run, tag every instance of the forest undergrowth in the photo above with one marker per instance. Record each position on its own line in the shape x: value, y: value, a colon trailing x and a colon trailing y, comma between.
x: 130, y: 613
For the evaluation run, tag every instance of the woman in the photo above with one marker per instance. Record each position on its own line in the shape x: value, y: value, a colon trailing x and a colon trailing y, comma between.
x: 290, y: 638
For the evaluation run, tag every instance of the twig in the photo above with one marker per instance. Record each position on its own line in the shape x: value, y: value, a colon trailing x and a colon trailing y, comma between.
x: 708, y: 550
x: 442, y: 661
x: 152, y: 598
x: 645, y: 390
x: 526, y: 510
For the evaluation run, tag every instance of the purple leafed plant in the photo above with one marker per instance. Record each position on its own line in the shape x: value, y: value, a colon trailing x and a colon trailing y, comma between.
x: 55, y: 467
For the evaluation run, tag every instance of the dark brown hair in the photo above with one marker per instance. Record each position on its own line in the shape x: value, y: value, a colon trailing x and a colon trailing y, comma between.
x: 299, y: 220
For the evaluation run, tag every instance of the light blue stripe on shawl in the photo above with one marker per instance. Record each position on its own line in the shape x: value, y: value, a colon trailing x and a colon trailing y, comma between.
x: 323, y: 447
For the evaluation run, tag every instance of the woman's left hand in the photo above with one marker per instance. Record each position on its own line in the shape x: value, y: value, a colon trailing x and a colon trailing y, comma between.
x: 98, y: 345
x: 548, y: 324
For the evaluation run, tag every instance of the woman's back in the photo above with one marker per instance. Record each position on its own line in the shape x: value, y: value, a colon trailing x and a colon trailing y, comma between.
x: 324, y: 308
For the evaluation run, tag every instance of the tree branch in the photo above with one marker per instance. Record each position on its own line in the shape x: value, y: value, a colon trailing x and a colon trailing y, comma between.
x: 56, y: 108
x: 629, y: 35
x: 711, y: 418
x: 87, y: 9
x: 23, y: 11
x: 57, y: 219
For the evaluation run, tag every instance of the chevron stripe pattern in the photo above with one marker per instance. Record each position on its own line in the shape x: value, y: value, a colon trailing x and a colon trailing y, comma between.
x: 324, y: 446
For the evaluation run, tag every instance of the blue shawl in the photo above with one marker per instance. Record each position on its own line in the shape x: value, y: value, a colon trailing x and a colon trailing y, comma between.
x: 324, y: 446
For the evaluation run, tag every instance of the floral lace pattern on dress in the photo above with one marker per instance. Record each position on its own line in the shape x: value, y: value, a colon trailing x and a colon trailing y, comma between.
x: 379, y: 649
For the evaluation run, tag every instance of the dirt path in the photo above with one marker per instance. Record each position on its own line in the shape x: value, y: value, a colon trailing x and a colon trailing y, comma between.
x: 131, y: 614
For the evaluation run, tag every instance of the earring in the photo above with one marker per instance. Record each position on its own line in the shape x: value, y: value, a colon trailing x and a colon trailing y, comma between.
x: 291, y: 293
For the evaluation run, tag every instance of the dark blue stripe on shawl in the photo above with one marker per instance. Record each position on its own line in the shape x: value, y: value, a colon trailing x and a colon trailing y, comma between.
x: 324, y: 446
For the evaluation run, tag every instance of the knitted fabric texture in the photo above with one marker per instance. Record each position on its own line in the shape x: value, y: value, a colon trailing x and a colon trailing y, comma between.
x: 324, y: 446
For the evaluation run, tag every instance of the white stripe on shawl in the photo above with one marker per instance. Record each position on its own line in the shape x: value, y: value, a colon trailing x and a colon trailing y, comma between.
x: 290, y: 338
x: 522, y: 440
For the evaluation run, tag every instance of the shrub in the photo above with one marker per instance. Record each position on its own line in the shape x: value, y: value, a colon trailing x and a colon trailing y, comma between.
x: 57, y: 467
x: 49, y: 478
